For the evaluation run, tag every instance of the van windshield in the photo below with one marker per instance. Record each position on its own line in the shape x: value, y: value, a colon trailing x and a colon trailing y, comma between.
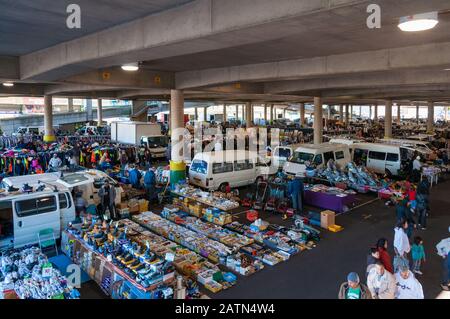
x: 157, y: 141
x: 301, y: 157
x: 283, y: 152
x: 74, y: 179
x: 199, y: 166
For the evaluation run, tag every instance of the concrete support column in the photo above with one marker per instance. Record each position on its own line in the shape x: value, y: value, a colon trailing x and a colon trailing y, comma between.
x: 88, y: 110
x: 248, y: 114
x: 417, y: 112
x: 370, y: 112
x: 205, y: 114
x: 195, y: 114
x: 237, y: 112
x: 265, y: 112
x: 318, y: 120
x: 430, y: 121
x: 399, y: 114
x: 302, y: 114
x: 351, y: 113
x: 341, y: 113
x: 99, y: 112
x: 388, y: 120
x: 176, y: 120
x: 445, y: 113
x: 224, y: 112
x: 375, y: 111
x: 347, y: 115
x: 70, y: 105
x: 329, y: 112
x: 49, y: 135
x: 272, y: 112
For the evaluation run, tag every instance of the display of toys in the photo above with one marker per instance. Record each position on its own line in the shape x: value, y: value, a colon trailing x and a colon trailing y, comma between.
x: 29, y: 274
x: 243, y: 264
x: 206, y: 198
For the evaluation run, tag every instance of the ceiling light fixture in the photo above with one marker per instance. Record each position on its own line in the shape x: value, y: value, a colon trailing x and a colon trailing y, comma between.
x: 419, y: 22
x: 447, y: 69
x: 130, y: 67
x: 8, y: 84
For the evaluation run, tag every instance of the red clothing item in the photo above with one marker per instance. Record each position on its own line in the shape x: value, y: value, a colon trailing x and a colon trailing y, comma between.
x: 412, y: 195
x: 386, y: 260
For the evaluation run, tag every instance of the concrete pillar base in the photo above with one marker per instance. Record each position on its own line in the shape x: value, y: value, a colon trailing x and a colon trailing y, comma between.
x: 177, y: 172
x: 49, y: 138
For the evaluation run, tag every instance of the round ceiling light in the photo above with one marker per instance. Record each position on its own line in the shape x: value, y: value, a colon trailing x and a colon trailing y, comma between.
x: 419, y: 22
x: 8, y: 84
x: 130, y: 67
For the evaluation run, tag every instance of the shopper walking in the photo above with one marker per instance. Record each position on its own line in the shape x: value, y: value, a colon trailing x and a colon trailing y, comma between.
x: 385, y: 258
x: 107, y: 194
x: 55, y: 163
x: 417, y: 254
x: 401, y: 245
x: 381, y: 283
x: 408, y: 287
x: 353, y: 289
x: 443, y: 250
x: 416, y: 168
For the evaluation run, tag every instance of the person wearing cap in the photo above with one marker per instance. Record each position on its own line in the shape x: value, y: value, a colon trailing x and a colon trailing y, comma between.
x: 443, y: 250
x: 353, y: 289
x: 381, y: 283
x: 408, y: 287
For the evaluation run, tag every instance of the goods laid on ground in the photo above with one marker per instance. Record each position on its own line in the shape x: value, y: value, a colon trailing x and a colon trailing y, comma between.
x: 210, y: 214
x: 27, y: 274
x: 223, y: 235
x: 207, y: 198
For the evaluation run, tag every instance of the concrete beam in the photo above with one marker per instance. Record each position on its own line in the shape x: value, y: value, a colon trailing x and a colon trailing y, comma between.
x: 22, y: 89
x: 197, y: 26
x: 412, y: 57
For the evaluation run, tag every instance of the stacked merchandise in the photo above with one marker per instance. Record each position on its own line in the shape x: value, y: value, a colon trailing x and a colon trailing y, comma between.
x: 122, y: 266
x: 199, y: 243
x: 186, y: 262
x: 27, y: 274
x: 206, y: 198
x: 223, y: 235
x: 356, y: 177
x: 213, y: 215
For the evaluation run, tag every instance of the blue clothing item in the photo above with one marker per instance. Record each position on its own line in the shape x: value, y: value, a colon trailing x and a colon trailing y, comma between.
x: 400, y: 212
x: 149, y: 178
x: 135, y: 177
x: 417, y: 252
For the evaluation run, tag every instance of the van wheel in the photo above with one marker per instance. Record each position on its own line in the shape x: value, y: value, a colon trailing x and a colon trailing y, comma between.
x: 223, y: 187
x: 259, y: 180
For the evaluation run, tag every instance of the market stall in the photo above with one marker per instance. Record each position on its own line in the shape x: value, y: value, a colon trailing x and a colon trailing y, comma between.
x: 331, y: 198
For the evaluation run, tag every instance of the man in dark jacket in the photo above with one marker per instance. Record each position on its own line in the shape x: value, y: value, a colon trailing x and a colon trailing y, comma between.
x: 135, y: 177
x: 107, y: 194
x: 353, y: 289
x: 149, y: 183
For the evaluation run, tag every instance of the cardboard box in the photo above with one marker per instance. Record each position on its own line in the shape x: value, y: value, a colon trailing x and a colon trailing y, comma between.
x: 134, y: 209
x: 122, y: 205
x: 327, y: 218
x: 143, y: 205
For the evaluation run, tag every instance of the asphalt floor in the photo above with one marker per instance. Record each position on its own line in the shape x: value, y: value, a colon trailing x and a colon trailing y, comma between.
x: 318, y: 273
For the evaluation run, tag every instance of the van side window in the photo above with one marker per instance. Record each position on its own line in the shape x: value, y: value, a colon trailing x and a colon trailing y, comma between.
x: 391, y: 157
x: 243, y: 165
x: 35, y: 206
x: 220, y: 168
x: 62, y: 201
x: 327, y: 156
x: 6, y: 219
x: 377, y: 155
x: 339, y: 155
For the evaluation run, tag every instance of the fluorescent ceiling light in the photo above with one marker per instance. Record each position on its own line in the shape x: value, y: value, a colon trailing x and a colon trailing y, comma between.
x: 8, y: 84
x: 419, y: 22
x: 130, y: 67
x: 447, y: 69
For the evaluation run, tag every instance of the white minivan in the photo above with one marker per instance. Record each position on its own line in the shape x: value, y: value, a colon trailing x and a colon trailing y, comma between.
x: 282, y: 153
x: 216, y: 170
x: 22, y: 216
x: 317, y: 156
x: 382, y: 158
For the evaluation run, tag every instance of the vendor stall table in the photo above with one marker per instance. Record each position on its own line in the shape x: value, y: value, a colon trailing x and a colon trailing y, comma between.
x: 339, y: 204
x: 115, y: 274
x: 206, y: 202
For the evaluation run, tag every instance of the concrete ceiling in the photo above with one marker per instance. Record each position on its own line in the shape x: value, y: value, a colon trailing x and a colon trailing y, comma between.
x: 228, y: 50
x: 27, y: 26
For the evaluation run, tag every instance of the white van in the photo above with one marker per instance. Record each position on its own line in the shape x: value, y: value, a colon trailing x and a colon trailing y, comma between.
x: 318, y: 156
x: 28, y: 130
x: 89, y: 181
x: 216, y: 170
x: 422, y: 147
x: 282, y: 153
x: 382, y: 158
x: 22, y: 216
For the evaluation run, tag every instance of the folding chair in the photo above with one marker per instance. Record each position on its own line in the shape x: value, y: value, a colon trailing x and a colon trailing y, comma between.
x: 47, y: 239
